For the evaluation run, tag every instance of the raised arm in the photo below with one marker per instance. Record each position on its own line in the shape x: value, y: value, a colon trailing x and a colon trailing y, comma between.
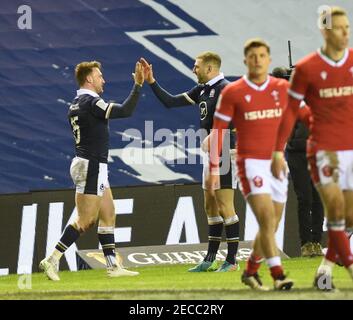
x: 168, y: 100
x: 126, y: 109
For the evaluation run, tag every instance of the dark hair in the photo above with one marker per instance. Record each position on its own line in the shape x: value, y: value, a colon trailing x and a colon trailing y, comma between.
x: 255, y: 43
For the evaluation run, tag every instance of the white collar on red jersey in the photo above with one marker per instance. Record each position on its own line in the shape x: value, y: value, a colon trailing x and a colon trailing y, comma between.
x: 215, y: 79
x: 80, y: 92
x: 254, y: 85
x: 332, y: 62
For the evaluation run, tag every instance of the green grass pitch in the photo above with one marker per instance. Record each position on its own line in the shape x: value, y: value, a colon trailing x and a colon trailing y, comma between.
x: 174, y: 282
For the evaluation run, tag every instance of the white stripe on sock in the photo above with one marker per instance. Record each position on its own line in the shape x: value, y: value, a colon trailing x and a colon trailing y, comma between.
x: 274, y: 261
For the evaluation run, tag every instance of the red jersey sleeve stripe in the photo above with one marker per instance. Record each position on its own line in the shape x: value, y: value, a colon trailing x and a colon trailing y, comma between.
x: 222, y: 116
x: 295, y: 95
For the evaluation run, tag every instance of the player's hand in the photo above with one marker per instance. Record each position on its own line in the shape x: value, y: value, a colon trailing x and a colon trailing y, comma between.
x: 139, y: 74
x: 278, y: 165
x: 148, y: 71
x: 212, y: 181
x: 205, y: 145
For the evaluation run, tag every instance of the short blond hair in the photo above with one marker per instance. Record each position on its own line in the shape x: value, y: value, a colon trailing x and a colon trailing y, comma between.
x: 209, y: 57
x: 83, y: 69
x: 255, y: 43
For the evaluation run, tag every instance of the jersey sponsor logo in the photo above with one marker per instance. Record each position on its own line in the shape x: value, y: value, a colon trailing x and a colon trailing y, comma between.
x: 258, y: 181
x: 336, y: 92
x: 203, y: 110
x: 263, y: 114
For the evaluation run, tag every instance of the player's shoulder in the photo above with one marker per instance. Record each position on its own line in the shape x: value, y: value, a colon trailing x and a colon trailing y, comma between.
x: 308, y: 60
x: 279, y: 82
x: 222, y: 83
x: 236, y: 85
x: 87, y: 100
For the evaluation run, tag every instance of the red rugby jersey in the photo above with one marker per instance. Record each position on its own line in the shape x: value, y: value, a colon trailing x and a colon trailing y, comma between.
x: 255, y: 112
x: 327, y: 87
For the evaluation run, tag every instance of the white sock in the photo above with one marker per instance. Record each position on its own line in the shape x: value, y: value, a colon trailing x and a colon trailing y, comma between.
x: 56, y: 255
x: 326, y: 266
x: 111, y: 261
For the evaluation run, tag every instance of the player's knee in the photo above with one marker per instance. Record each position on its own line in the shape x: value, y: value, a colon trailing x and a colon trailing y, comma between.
x: 226, y: 209
x: 86, y: 224
x: 349, y: 218
x: 267, y: 224
x: 210, y: 208
x: 335, y: 208
x: 108, y: 219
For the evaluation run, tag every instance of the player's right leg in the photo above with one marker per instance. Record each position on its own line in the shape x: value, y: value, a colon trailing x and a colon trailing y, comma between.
x: 85, y: 174
x: 262, y: 206
x: 215, y: 228
x: 348, y: 200
x: 225, y: 202
x: 87, y: 208
x: 250, y: 276
x: 333, y: 202
x: 226, y: 209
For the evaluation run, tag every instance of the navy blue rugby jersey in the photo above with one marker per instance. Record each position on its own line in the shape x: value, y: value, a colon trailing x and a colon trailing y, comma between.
x: 206, y: 96
x: 88, y: 116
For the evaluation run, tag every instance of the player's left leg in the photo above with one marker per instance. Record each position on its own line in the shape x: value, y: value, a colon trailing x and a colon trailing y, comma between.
x: 348, y: 194
x: 333, y: 187
x: 279, y: 190
x: 225, y: 202
x: 348, y: 199
x: 106, y: 228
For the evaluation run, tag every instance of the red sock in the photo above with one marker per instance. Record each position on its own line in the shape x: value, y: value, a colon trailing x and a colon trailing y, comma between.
x: 341, y: 244
x: 276, y: 272
x: 253, y: 264
x: 331, y: 253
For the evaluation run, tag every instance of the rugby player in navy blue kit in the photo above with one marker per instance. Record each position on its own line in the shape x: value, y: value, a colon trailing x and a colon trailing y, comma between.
x: 88, y: 116
x: 219, y: 205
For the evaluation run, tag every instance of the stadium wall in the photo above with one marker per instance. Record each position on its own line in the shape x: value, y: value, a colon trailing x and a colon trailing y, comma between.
x: 32, y: 223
